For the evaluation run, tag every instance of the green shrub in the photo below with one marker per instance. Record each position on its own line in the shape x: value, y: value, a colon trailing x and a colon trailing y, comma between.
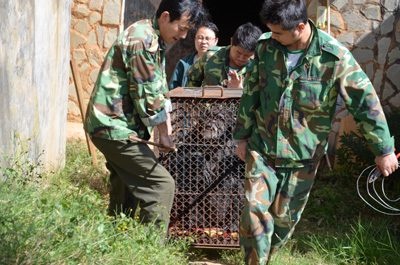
x: 354, y: 155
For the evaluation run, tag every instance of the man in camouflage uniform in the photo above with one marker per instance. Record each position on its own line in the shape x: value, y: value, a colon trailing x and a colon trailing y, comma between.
x: 225, y: 66
x: 130, y: 97
x: 284, y: 120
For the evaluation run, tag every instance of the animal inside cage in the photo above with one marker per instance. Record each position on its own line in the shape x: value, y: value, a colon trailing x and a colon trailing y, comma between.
x: 208, y: 175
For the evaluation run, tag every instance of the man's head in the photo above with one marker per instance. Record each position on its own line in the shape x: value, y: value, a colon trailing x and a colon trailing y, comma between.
x: 177, y: 17
x: 285, y: 18
x: 243, y: 44
x: 206, y: 36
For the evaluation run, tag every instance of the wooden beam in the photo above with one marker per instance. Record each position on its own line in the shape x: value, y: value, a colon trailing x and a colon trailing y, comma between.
x: 83, y: 107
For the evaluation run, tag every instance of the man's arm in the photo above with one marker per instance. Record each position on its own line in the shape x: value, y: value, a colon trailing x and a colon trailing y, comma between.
x: 241, y: 150
x: 165, y: 131
x: 245, y: 119
x: 387, y: 163
x: 149, y: 92
x: 361, y: 100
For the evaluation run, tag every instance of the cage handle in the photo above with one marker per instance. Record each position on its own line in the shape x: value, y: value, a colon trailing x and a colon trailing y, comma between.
x: 204, y: 90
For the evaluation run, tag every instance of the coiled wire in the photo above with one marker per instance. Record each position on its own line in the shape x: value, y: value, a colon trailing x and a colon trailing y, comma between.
x: 384, y: 203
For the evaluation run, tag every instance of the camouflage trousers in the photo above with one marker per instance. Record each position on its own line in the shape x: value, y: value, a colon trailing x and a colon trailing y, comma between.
x: 274, y: 201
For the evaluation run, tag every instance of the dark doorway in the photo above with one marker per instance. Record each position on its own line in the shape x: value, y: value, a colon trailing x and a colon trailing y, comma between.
x: 139, y: 9
x: 228, y: 15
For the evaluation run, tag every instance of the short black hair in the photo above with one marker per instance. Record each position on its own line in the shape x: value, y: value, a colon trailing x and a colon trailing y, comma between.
x: 209, y: 25
x: 286, y: 13
x: 176, y: 8
x: 246, y: 36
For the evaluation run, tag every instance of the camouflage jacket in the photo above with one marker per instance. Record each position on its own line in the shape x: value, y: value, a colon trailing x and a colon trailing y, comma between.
x: 131, y: 93
x: 212, y: 68
x: 287, y: 116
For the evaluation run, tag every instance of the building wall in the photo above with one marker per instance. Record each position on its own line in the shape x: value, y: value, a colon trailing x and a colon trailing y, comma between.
x: 34, y: 58
x: 371, y: 31
x: 95, y: 24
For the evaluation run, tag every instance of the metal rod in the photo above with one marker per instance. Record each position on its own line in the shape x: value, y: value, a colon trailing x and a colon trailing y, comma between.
x: 329, y: 15
x: 153, y: 143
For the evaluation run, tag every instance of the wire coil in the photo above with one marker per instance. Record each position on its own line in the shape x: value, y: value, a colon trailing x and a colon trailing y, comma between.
x: 373, y: 194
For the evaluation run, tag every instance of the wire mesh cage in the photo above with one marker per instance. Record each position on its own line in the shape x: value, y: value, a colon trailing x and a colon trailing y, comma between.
x: 208, y: 175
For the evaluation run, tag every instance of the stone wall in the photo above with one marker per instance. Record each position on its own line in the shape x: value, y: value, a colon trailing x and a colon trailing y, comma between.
x: 371, y: 31
x: 95, y: 24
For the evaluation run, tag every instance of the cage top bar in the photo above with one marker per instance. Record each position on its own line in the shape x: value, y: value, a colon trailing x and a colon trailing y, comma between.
x: 206, y: 92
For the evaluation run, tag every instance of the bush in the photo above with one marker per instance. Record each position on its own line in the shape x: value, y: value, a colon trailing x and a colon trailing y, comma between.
x: 354, y: 154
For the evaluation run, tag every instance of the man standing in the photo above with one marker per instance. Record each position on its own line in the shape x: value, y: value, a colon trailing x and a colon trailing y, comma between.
x: 225, y: 66
x: 284, y: 120
x: 130, y: 97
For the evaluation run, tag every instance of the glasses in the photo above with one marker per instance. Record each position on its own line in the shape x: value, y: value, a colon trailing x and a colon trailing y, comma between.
x: 202, y: 38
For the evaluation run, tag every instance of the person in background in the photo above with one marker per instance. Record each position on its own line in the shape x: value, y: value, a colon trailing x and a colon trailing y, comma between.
x: 129, y: 99
x: 284, y: 119
x: 226, y: 66
x: 206, y: 36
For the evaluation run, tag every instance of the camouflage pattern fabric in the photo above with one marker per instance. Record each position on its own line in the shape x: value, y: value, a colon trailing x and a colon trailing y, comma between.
x: 212, y: 68
x: 287, y: 115
x: 131, y: 93
x: 286, y: 118
x: 274, y: 201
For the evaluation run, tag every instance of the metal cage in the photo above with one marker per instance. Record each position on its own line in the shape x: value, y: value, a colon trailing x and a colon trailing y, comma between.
x: 208, y: 175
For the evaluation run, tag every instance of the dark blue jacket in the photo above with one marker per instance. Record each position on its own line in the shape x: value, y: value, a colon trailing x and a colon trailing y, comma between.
x: 179, y: 78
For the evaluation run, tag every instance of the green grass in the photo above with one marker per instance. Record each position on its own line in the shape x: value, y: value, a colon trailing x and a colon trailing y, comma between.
x: 60, y: 218
x: 337, y: 227
x: 348, y: 231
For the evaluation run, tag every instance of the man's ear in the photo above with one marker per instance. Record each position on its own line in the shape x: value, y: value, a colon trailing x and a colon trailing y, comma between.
x: 231, y: 41
x: 301, y: 27
x: 164, y: 17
